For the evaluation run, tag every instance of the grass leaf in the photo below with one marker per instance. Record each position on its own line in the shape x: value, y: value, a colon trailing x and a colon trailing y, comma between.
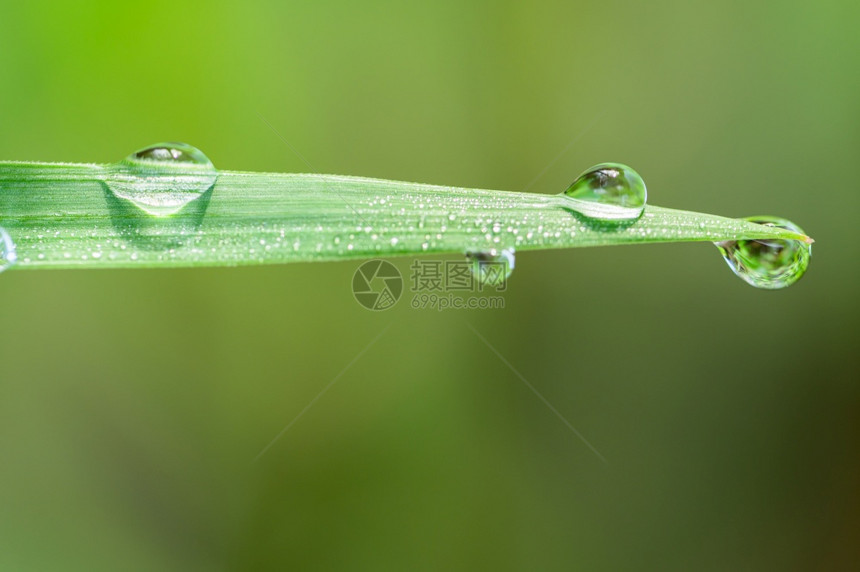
x: 64, y: 215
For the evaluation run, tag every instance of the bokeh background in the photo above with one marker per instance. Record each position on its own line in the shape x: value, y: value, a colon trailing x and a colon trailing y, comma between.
x: 133, y: 403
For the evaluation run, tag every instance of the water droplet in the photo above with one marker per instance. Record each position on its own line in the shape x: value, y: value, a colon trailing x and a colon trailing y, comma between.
x: 607, y: 192
x: 491, y: 267
x: 769, y: 264
x: 158, y: 196
x: 8, y: 255
x: 162, y: 179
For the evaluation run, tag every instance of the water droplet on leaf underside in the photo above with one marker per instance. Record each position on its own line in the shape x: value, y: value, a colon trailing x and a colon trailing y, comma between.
x: 491, y: 267
x: 8, y: 255
x: 771, y: 263
x: 607, y: 192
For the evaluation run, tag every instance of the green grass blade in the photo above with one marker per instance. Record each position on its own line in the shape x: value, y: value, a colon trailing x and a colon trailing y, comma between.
x: 63, y: 215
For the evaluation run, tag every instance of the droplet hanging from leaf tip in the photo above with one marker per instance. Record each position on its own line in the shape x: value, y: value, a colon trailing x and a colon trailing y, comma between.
x: 768, y: 263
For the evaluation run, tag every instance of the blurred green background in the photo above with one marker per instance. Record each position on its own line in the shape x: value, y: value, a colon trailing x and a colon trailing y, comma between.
x: 133, y: 403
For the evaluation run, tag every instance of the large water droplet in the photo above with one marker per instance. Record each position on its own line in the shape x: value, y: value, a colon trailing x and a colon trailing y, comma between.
x: 492, y: 267
x: 162, y: 179
x: 8, y: 256
x: 158, y: 196
x: 769, y: 264
x: 609, y: 191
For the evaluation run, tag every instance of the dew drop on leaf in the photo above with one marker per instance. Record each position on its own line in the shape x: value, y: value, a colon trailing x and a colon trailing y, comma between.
x: 607, y: 192
x: 771, y: 263
x: 491, y: 267
x: 162, y: 179
x: 8, y: 255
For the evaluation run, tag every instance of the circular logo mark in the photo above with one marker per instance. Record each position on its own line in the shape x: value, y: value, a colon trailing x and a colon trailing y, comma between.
x: 377, y: 285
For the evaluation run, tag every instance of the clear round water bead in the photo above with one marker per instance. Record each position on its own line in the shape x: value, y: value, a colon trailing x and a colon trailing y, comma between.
x: 608, y: 192
x: 162, y: 179
x: 770, y: 264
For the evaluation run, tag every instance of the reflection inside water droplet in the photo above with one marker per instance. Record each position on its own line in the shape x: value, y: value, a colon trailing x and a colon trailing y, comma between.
x: 8, y: 255
x: 607, y: 192
x: 491, y: 267
x: 769, y: 264
x: 162, y: 179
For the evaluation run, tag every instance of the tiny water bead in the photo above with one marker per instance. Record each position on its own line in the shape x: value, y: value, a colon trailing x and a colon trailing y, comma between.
x: 608, y: 192
x: 162, y: 179
x: 491, y: 267
x: 769, y: 264
x: 8, y: 254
